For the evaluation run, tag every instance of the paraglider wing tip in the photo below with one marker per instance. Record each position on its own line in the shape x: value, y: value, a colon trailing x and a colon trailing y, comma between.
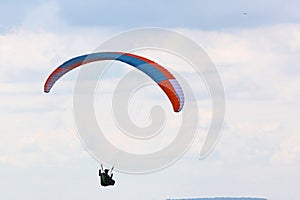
x: 177, y: 111
x: 46, y: 90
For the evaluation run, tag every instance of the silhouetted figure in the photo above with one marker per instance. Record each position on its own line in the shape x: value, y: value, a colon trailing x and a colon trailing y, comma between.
x: 105, y: 178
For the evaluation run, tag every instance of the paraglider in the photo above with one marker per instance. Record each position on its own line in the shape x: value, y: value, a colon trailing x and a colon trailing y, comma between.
x: 105, y: 178
x: 165, y: 80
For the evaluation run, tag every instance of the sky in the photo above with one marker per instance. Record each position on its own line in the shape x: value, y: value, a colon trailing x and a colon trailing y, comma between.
x: 255, y: 47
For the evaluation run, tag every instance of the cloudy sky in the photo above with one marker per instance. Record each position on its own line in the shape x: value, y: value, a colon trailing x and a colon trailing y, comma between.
x: 254, y: 45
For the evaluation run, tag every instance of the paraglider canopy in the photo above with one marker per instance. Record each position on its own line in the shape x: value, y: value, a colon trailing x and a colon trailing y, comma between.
x: 165, y: 80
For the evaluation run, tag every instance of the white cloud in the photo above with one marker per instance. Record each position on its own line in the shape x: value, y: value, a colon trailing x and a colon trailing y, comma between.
x: 289, y: 151
x: 262, y: 96
x: 254, y: 61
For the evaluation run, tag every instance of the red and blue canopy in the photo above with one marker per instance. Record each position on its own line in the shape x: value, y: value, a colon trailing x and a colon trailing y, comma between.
x: 166, y: 81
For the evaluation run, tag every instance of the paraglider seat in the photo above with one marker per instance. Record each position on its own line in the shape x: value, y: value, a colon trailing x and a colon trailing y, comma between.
x: 105, y: 179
